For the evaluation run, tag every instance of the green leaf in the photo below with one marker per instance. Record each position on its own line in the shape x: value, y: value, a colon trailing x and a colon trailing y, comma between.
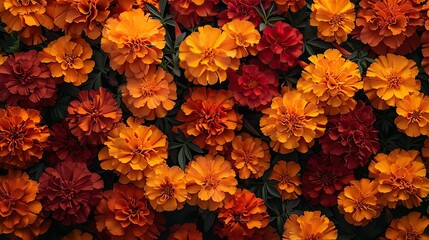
x: 181, y: 158
x: 195, y: 148
x: 174, y: 145
x: 188, y: 153
x: 209, y: 218
x: 153, y: 11
x: 273, y: 191
x: 59, y: 110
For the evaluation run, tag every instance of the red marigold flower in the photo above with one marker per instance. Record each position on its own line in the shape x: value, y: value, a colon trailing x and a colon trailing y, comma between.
x: 290, y: 5
x: 189, y: 13
x: 185, y: 232
x: 280, y: 46
x: 324, y: 178
x: 26, y: 82
x: 241, y: 214
x: 22, y: 139
x: 253, y: 85
x: 352, y: 136
x: 241, y: 10
x: 70, y: 192
x: 93, y: 115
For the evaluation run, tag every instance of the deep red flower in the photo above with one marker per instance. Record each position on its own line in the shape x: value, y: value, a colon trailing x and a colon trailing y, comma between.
x: 189, y: 14
x: 26, y: 82
x: 253, y: 85
x: 70, y: 192
x: 280, y: 46
x: 240, y: 10
x: 352, y: 136
x: 324, y: 178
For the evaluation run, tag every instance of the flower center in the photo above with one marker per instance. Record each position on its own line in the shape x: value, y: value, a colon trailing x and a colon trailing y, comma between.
x: 211, y: 181
x: 247, y: 157
x: 327, y: 178
x: 285, y: 179
x: 208, y: 55
x: 136, y: 44
x: 291, y: 121
x: 69, y: 58
x: 336, y: 20
x: 360, y: 205
x: 402, y: 184
x: 414, y: 116
x: 312, y: 237
x: 240, y: 39
x: 394, y: 81
x: 68, y: 191
x: 167, y: 191
x: 412, y: 234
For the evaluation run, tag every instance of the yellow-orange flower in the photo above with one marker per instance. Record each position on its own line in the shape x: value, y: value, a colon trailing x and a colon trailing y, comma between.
x: 209, y: 180
x: 20, y: 14
x: 22, y: 138
x: 334, y: 19
x: 166, y: 188
x: 250, y: 156
x: 389, y: 79
x: 358, y: 202
x: 150, y: 95
x: 133, y: 41
x: 287, y: 174
x: 331, y: 81
x: 209, y: 116
x: 207, y: 54
x: 18, y: 205
x: 292, y: 122
x: 3, y: 59
x: 245, y: 36
x: 311, y: 225
x: 401, y: 176
x: 411, y: 226
x: 77, y: 234
x: 132, y: 149
x: 413, y: 113
x: 69, y: 58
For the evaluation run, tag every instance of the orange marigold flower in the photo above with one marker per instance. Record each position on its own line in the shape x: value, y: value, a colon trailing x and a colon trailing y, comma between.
x: 3, y: 58
x: 241, y: 214
x: 77, y: 234
x: 358, y: 202
x: 185, y: 232
x: 150, y: 95
x: 411, y: 226
x: 388, y: 25
x: 401, y: 176
x: 18, y: 205
x: 334, y: 19
x: 331, y: 81
x: 209, y: 180
x: 292, y: 122
x: 32, y: 35
x: 77, y: 16
x: 290, y: 5
x: 92, y: 115
x: 132, y: 149
x: 249, y: 156
x: 69, y: 58
x: 287, y: 174
x: 207, y: 54
x: 128, y: 5
x: 22, y: 138
x: 166, y: 188
x: 413, y: 113
x: 245, y: 35
x: 389, y: 79
x: 133, y: 49
x: 311, y: 225
x: 32, y: 231
x: 209, y: 116
x: 267, y: 232
x: 124, y: 213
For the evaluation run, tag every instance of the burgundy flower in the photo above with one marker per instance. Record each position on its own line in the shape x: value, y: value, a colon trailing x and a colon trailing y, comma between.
x: 70, y: 192
x: 26, y: 82
x: 253, y: 85
x: 240, y: 10
x: 352, y: 136
x: 189, y: 14
x: 280, y: 46
x: 324, y: 178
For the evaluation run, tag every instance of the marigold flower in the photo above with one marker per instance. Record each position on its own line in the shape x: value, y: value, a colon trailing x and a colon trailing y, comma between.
x: 124, y: 213
x: 250, y: 156
x: 190, y: 13
x: 22, y: 138
x: 280, y: 46
x: 26, y: 82
x: 240, y: 10
x: 132, y: 149
x: 352, y: 136
x: 331, y: 81
x: 386, y: 25
x: 151, y: 95
x: 245, y: 36
x: 93, y: 115
x: 77, y: 234
x: 413, y: 113
x: 267, y: 232
x: 207, y: 54
x: 32, y: 231
x: 209, y: 115
x: 292, y: 122
x: 241, y: 214
x: 389, y: 79
x: 290, y: 5
x: 253, y: 85
x: 129, y: 5
x: 411, y: 226
x: 209, y: 180
x: 18, y: 205
x: 334, y: 19
x: 425, y: 153
x: 32, y: 35
x: 358, y: 202
x: 185, y: 232
x: 401, y: 176
x: 287, y: 174
x: 424, y: 40
x: 324, y: 178
x: 311, y: 225
x: 133, y: 50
